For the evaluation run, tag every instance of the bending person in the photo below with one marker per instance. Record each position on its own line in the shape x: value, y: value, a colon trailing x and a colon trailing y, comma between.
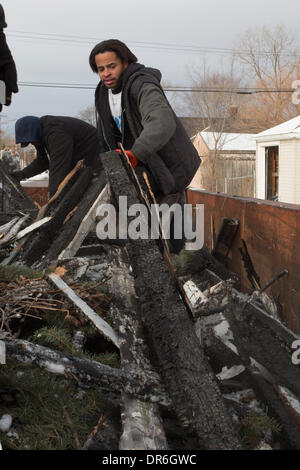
x: 60, y: 143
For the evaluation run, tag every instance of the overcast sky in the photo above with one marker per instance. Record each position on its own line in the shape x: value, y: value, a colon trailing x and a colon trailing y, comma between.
x: 155, y: 30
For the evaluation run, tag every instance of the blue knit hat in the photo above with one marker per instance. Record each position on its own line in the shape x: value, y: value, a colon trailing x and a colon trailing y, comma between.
x: 28, y: 129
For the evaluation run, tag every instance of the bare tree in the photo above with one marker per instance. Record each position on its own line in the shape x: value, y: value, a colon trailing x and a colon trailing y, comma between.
x: 88, y: 115
x: 218, y: 107
x: 269, y: 61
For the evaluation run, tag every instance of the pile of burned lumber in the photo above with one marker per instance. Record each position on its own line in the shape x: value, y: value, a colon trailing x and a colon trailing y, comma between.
x: 189, y: 343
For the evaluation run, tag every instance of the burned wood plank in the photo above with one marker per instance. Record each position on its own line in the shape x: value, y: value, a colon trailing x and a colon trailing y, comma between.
x: 262, y: 345
x: 12, y: 233
x: 259, y: 379
x: 251, y: 273
x: 278, y: 328
x: 107, y: 380
x: 6, y: 227
x: 32, y: 227
x: 13, y: 196
x: 142, y: 425
x: 36, y: 248
x: 66, y: 183
x: 267, y: 373
x: 102, y: 326
x: 75, y: 231
x: 183, y: 366
x: 225, y: 238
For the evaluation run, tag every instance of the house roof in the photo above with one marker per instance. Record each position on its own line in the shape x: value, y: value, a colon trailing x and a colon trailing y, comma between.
x: 287, y: 129
x: 40, y: 180
x: 193, y: 125
x: 230, y: 141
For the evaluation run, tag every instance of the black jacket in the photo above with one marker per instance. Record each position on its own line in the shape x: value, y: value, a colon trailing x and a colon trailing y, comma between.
x: 150, y: 129
x: 8, y: 71
x: 66, y: 140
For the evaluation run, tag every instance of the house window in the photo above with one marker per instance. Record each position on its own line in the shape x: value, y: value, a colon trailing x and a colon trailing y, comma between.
x: 272, y: 161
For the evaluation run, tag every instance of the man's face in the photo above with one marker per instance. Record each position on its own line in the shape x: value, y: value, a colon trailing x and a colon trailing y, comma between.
x: 110, y: 69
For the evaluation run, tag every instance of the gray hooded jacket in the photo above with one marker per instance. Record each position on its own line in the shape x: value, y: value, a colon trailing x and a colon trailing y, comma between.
x: 150, y: 129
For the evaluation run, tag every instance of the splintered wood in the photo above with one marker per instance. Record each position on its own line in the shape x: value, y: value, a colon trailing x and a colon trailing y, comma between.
x: 181, y: 340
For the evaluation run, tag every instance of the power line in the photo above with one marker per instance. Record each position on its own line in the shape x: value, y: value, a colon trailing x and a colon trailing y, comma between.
x: 143, y: 44
x: 238, y: 90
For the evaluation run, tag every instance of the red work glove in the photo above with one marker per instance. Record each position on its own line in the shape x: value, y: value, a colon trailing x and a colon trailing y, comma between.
x: 132, y: 158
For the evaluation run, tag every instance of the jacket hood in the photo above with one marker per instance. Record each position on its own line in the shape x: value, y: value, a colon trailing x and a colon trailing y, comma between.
x: 2, y: 18
x: 28, y: 129
x: 135, y: 69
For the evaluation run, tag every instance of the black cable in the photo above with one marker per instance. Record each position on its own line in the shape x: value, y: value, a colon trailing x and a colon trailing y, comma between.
x: 240, y: 91
x: 154, y: 45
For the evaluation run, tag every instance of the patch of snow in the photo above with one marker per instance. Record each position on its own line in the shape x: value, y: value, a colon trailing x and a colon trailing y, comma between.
x: 54, y: 368
x: 230, y: 141
x: 287, y: 127
x: 227, y: 374
x: 37, y: 181
x: 13, y: 435
x: 246, y: 398
x: 222, y: 330
x: 5, y: 423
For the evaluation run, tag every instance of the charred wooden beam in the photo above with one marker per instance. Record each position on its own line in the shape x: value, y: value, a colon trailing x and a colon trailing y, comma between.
x: 37, y: 246
x: 183, y: 366
x: 142, y: 425
x: 266, y: 364
x: 12, y: 233
x: 251, y: 273
x: 4, y: 229
x: 262, y: 345
x: 278, y: 329
x: 64, y: 187
x: 260, y: 380
x: 76, y: 229
x: 102, y: 326
x: 225, y: 238
x: 107, y: 380
x: 13, y: 197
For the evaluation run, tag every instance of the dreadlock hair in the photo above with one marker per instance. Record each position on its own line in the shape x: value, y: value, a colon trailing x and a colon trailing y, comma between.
x: 112, y: 45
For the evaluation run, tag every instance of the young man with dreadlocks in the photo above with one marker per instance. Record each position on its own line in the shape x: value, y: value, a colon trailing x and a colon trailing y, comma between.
x: 133, y: 109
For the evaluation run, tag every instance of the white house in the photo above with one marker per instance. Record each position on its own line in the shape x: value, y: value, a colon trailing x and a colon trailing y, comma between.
x: 278, y: 162
x: 235, y: 172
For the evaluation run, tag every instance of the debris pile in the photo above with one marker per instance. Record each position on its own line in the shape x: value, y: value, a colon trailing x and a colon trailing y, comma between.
x: 181, y: 358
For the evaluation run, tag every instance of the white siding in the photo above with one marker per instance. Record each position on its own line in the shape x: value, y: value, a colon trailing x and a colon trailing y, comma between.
x: 297, y: 182
x: 288, y: 171
x: 260, y: 171
x: 261, y: 167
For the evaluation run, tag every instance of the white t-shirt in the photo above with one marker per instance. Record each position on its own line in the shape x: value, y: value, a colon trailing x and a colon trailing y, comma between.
x: 116, y: 107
